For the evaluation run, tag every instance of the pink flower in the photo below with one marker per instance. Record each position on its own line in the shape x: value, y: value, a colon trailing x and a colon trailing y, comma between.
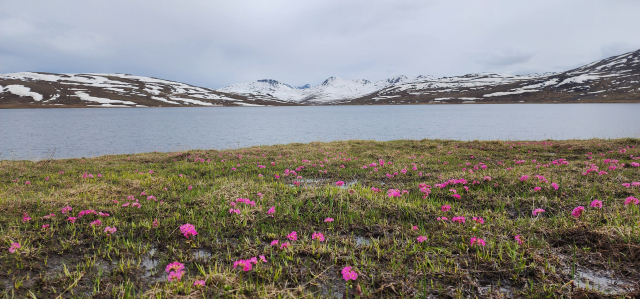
x: 422, y: 239
x: 339, y: 183
x: 175, y: 276
x: 328, y: 220
x: 66, y: 209
x: 271, y: 211
x: 175, y: 266
x: 198, y: 283
x: 486, y: 178
x: 537, y: 211
x: 519, y: 239
x: 245, y: 264
x: 577, y: 211
x: 445, y: 208
x: 188, y: 230
x: 25, y: 217
x: 477, y: 241
x: 456, y: 196
x: 285, y: 245
x: 156, y: 223
x: 293, y: 236
x: 110, y: 230
x: 537, y: 189
x: 317, y: 236
x: 136, y: 205
x: 555, y: 186
x: 27, y: 183
x: 459, y: 219
x: 103, y: 214
x: 348, y: 274
x: 478, y: 220
x: 596, y: 204
x: 414, y: 227
x: 14, y: 247
x: 190, y: 187
x: 262, y: 258
x: 274, y: 242
x: 96, y: 223
x: 45, y: 226
x: 72, y: 219
x: 632, y: 200
x: 126, y: 204
x: 524, y: 178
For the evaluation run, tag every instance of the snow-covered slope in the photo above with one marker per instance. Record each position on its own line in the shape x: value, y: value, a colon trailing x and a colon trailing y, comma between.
x: 29, y: 89
x: 332, y: 90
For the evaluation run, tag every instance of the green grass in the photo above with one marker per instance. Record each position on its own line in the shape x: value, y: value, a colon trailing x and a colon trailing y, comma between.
x: 372, y: 232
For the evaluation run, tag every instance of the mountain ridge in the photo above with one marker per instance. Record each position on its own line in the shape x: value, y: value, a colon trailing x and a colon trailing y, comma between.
x: 613, y: 79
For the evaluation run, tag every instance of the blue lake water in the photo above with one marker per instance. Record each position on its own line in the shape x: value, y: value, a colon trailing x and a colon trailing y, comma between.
x: 34, y: 133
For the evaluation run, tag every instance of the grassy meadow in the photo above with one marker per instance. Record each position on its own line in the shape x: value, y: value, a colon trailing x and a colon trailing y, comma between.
x: 399, y: 219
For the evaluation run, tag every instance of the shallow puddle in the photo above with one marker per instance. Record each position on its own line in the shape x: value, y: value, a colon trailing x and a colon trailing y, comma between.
x: 601, y: 282
x: 493, y: 291
x: 201, y: 255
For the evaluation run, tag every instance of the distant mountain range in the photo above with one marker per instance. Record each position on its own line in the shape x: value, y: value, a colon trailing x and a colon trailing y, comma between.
x: 615, y: 79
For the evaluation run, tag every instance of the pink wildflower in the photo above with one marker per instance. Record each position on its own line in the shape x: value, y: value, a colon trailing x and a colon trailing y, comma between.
x: 175, y: 276
x: 274, y: 242
x: 339, y: 183
x: 328, y: 220
x: 188, y: 230
x: 445, y: 208
x: 478, y: 220
x: 317, y: 236
x: 477, y: 241
x: 459, y: 219
x: 348, y: 274
x: 156, y: 223
x: 25, y: 217
x: 596, y: 204
x: 72, y: 219
x: 537, y: 189
x: 27, y: 183
x: 293, y: 236
x: 577, y: 211
x: 519, y: 239
x: 263, y: 258
x: 415, y: 227
x: 66, y: 209
x: 524, y: 178
x: 422, y: 239
x: 271, y: 211
x: 175, y: 266
x: 14, y: 247
x: 537, y: 211
x: 246, y: 265
x: 136, y: 205
x: 285, y: 245
x: 198, y: 283
x: 555, y: 186
x: 456, y: 196
x: 190, y: 187
x: 96, y: 223
x: 110, y: 230
x: 630, y: 200
x: 45, y: 226
x: 442, y: 219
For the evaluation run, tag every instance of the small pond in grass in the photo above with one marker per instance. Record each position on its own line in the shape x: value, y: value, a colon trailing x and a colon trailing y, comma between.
x: 87, y: 132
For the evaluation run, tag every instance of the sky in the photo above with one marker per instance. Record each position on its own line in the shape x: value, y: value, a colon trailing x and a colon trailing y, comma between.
x: 213, y: 43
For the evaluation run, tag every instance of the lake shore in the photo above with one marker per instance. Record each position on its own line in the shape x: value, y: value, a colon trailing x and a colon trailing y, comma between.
x: 357, y: 218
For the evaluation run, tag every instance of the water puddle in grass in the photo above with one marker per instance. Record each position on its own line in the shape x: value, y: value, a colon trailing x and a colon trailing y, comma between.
x: 348, y: 184
x: 201, y: 255
x: 150, y: 262
x: 362, y: 241
x: 601, y: 282
x: 493, y: 291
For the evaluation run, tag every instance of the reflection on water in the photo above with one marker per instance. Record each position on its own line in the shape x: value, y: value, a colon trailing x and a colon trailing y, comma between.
x: 38, y: 133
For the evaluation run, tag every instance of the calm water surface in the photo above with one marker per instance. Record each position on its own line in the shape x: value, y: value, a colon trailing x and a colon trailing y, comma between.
x: 34, y: 133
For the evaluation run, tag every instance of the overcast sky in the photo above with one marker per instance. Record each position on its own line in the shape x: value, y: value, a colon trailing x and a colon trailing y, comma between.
x: 216, y: 43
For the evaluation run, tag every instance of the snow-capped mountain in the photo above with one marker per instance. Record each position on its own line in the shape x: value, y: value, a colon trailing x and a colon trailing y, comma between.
x: 31, y: 90
x: 332, y: 90
x: 615, y: 79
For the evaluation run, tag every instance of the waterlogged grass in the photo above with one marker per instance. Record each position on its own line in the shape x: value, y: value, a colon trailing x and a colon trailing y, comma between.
x: 148, y: 197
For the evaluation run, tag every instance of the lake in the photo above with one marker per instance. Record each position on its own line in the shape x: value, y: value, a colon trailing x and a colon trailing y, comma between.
x: 35, y: 133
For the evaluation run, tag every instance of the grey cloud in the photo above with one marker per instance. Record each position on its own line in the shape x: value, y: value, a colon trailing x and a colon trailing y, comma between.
x: 216, y: 43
